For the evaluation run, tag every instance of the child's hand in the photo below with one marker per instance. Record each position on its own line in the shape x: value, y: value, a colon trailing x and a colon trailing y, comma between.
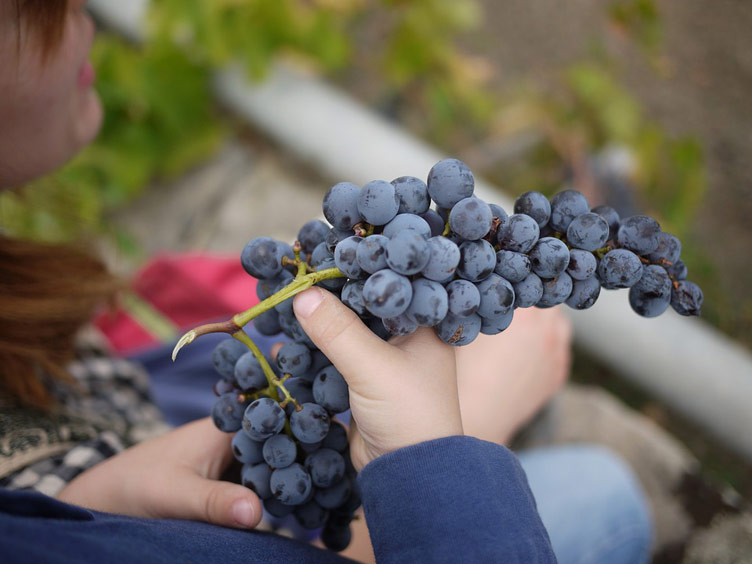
x: 173, y: 476
x: 505, y: 379
x: 401, y: 393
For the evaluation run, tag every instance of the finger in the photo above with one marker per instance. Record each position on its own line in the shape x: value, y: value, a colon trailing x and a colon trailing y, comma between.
x: 192, y: 497
x: 213, y: 451
x: 339, y: 333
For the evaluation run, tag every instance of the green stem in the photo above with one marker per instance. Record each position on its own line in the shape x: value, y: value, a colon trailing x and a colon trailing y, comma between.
x: 240, y: 320
x: 271, y: 378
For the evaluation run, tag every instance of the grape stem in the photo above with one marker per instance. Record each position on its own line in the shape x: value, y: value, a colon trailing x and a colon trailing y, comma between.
x: 240, y: 320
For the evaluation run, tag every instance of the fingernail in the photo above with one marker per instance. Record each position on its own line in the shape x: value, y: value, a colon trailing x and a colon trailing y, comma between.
x: 306, y: 302
x: 243, y: 513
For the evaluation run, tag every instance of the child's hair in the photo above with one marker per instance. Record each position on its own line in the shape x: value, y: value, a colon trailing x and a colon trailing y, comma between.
x: 47, y: 292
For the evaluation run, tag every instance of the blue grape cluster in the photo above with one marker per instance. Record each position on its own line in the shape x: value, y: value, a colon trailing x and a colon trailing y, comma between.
x: 294, y: 454
x: 462, y: 268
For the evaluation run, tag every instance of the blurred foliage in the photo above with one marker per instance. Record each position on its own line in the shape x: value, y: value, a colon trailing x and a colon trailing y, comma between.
x: 159, y: 116
x: 159, y: 119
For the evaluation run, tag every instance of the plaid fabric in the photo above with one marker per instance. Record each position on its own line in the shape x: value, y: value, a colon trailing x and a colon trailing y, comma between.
x: 107, y: 410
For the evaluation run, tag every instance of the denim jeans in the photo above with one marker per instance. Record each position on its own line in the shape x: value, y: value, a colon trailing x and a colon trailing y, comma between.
x: 590, y: 503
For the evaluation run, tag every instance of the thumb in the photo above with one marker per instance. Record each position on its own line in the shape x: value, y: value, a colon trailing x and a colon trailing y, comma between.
x: 194, y: 498
x: 339, y: 333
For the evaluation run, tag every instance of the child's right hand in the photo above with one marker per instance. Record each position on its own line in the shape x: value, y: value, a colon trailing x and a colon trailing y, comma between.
x: 401, y: 393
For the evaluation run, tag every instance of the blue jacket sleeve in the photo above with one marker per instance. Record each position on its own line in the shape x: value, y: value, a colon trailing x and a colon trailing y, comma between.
x: 456, y: 499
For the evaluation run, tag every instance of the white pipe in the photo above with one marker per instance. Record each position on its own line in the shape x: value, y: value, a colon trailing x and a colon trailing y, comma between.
x: 687, y: 364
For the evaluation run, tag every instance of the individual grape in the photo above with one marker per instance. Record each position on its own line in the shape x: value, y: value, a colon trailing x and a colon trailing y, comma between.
x: 256, y: 478
x: 400, y: 325
x: 407, y: 252
x: 294, y: 359
x: 326, y: 467
x: 352, y: 503
x: 582, y: 264
x: 263, y: 418
x: 226, y: 354
x: 497, y: 212
x: 620, y: 268
x: 346, y: 259
x: 496, y: 297
x: 584, y: 293
x: 267, y: 323
x: 335, y: 495
x: 588, y: 231
x: 300, y: 389
x: 248, y: 373
x: 429, y: 303
x: 496, y: 325
x: 477, y: 260
x: 311, y: 515
x: 290, y: 485
x: 262, y: 257
x: 245, y: 449
x: 669, y: 248
x: 459, y: 331
x: 549, y: 257
x: 387, y: 294
x: 535, y: 205
x: 449, y: 181
x: 310, y: 424
x: 463, y: 298
x: 528, y: 292
x: 434, y: 222
x: 519, y: 233
x: 639, y: 233
x: 291, y: 327
x: 330, y: 390
x: 331, y: 284
x: 512, y: 266
x: 341, y: 205
x: 336, y: 438
x: 407, y: 221
x: 336, y: 538
x: 678, y: 270
x: 224, y: 386
x: 284, y: 308
x: 227, y: 412
x: 279, y: 451
x: 352, y: 296
x: 320, y: 254
x: 265, y: 288
x: 565, y: 206
x: 312, y: 234
x: 335, y: 236
x: 611, y: 216
x: 309, y: 447
x: 444, y: 257
x: 556, y: 291
x: 651, y: 296
x: 378, y: 202
x: 277, y: 509
x: 470, y: 218
x: 413, y: 195
x: 371, y: 253
x: 318, y: 361
x: 686, y: 298
x: 376, y: 325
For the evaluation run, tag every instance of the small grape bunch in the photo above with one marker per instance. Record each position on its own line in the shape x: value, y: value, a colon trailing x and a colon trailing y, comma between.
x: 294, y: 454
x: 463, y: 268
